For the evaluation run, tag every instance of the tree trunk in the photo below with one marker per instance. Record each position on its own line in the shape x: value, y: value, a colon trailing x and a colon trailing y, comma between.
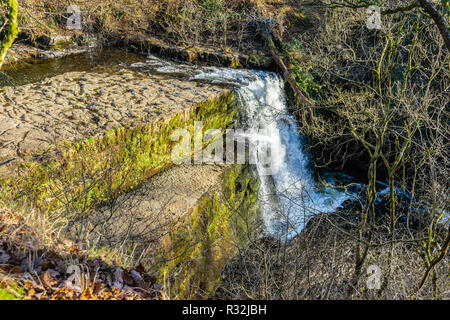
x: 270, y: 39
x: 13, y: 30
x: 440, y: 21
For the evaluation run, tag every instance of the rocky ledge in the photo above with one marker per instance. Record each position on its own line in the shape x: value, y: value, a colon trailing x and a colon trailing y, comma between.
x: 78, y: 105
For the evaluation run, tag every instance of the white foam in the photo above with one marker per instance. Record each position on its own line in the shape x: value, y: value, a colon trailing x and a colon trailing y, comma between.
x: 289, y: 197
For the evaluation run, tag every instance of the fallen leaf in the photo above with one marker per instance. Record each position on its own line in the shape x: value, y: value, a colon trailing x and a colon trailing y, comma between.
x: 87, y: 295
x: 48, y: 279
x: 31, y: 293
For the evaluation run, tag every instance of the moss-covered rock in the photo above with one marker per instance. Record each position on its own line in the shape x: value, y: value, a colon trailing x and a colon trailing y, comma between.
x: 198, y: 249
x: 196, y: 54
x: 96, y: 170
x: 54, y: 42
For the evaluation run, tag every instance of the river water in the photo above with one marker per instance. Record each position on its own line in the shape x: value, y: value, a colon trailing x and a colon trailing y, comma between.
x: 289, y: 195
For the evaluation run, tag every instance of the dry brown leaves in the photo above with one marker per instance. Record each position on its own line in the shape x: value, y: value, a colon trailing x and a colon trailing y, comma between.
x: 46, y: 272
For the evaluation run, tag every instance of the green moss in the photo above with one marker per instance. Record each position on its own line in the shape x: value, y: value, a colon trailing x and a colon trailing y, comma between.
x: 7, y: 295
x: 13, y: 29
x: 300, y: 18
x: 260, y: 60
x: 197, y: 251
x: 306, y: 80
x: 118, y: 13
x: 96, y: 171
x: 61, y: 45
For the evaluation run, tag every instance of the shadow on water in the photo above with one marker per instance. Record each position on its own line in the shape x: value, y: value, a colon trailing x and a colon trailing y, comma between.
x: 99, y: 59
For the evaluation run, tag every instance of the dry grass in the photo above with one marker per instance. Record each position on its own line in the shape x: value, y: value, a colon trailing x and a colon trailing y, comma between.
x: 215, y: 23
x: 37, y: 260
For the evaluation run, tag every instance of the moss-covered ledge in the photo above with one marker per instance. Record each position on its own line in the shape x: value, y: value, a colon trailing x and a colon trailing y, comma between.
x: 81, y: 175
x: 197, y: 250
x: 200, y: 55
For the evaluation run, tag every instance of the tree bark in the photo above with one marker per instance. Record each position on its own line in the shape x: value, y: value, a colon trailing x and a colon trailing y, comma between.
x: 287, y: 76
x: 271, y: 40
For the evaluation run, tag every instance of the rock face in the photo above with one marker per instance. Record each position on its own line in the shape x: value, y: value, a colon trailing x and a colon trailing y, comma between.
x: 147, y: 202
x: 50, y: 41
x: 78, y: 105
x: 144, y: 216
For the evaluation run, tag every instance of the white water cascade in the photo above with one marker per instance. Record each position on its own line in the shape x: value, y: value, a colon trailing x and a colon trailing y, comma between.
x: 289, y: 196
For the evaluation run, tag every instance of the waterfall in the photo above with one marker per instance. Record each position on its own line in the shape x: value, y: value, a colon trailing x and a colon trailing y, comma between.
x: 288, y: 194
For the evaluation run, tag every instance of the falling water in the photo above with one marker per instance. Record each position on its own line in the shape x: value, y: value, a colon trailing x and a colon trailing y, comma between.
x: 288, y: 194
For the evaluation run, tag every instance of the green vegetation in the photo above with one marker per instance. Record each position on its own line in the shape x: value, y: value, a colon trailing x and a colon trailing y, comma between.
x: 197, y: 250
x: 94, y: 171
x: 11, y: 293
x: 13, y: 29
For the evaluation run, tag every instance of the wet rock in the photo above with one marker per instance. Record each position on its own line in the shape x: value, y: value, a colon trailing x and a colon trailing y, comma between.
x: 51, y: 41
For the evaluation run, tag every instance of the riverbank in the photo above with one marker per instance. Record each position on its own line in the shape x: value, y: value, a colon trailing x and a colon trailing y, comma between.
x: 210, y: 32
